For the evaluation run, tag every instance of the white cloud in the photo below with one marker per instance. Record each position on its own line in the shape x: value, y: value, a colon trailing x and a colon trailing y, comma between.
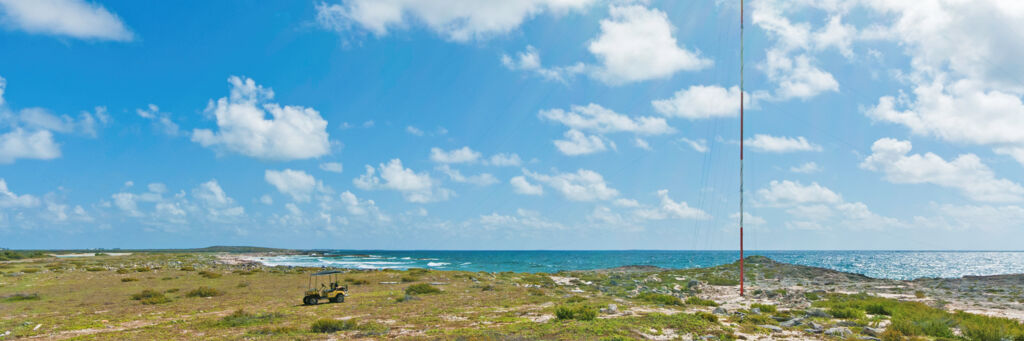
x: 578, y: 143
x: 670, y: 209
x: 529, y: 60
x: 701, y: 102
x: 503, y: 160
x: 637, y: 44
x: 748, y: 219
x: 291, y: 133
x: 583, y: 185
x: 295, y: 183
x: 459, y: 21
x: 70, y: 18
x: 160, y: 120
x: 482, y: 179
x: 815, y: 207
x: 266, y: 200
x: 523, y: 218
x: 700, y: 145
x: 641, y: 143
x: 781, y: 144
x: 217, y: 203
x: 461, y: 155
x: 414, y: 131
x: 806, y: 168
x: 966, y: 173
x: 522, y: 186
x: 788, y: 63
x: 623, y: 202
x: 333, y: 167
x: 357, y: 207
x: 597, y: 119
x: 127, y: 203
x: 9, y: 199
x: 793, y: 192
x: 21, y: 144
x: 415, y: 187
x: 972, y: 217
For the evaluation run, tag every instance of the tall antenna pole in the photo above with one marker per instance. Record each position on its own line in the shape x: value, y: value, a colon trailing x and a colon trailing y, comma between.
x: 741, y: 147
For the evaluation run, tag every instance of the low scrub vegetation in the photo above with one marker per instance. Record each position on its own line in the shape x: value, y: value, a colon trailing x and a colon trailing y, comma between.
x: 331, y: 325
x: 150, y: 296
x: 420, y: 289
x: 209, y: 274
x: 129, y: 279
x: 694, y: 300
x: 204, y: 292
x: 764, y: 308
x: 20, y: 297
x: 575, y: 312
x: 660, y: 299
x: 241, y: 318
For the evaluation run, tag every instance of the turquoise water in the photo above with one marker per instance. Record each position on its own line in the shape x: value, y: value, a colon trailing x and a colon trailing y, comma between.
x: 878, y: 264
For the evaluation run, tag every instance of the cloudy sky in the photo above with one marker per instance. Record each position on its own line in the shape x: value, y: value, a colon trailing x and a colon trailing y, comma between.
x: 529, y: 124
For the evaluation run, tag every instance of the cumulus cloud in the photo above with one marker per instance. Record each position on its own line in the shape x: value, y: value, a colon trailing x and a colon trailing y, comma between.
x: 637, y: 44
x: 482, y: 179
x: 31, y: 134
x: 966, y: 173
x: 216, y: 202
x: 295, y: 183
x: 251, y: 125
x: 162, y: 121
x: 806, y: 168
x: 460, y: 21
x: 701, y: 102
x: 9, y: 199
x: 583, y: 185
x: 461, y: 155
x: 789, y: 63
x: 670, y: 209
x: 68, y: 18
x: 415, y: 187
x: 529, y: 60
x: 333, y: 167
x: 815, y: 207
x: 522, y: 186
x: 505, y: 160
x: 699, y: 145
x: 21, y: 144
x: 793, y: 192
x: 578, y: 143
x: 360, y: 207
x: 781, y: 144
x: 597, y: 119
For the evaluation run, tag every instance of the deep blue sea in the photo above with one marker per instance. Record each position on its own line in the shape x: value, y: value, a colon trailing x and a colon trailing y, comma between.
x: 878, y: 264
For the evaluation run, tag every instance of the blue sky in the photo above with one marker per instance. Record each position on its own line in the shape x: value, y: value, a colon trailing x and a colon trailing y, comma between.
x: 542, y: 124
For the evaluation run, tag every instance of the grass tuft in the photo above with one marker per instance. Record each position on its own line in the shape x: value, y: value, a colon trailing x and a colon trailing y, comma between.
x: 209, y: 274
x: 422, y: 288
x: 204, y: 292
x: 21, y: 297
x: 579, y: 312
x: 331, y: 325
x: 764, y: 308
x: 660, y: 299
x: 694, y: 300
x: 150, y: 296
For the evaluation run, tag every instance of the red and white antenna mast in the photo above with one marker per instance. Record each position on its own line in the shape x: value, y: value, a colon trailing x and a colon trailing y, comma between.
x: 741, y: 147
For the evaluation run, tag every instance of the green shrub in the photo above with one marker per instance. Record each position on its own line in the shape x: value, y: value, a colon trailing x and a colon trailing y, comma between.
x: 243, y: 284
x: 408, y: 279
x: 188, y: 268
x: 94, y: 269
x: 30, y: 270
x: 243, y: 318
x: 204, y: 292
x: 706, y: 316
x: 209, y: 274
x: 418, y: 271
x: 331, y: 325
x: 919, y: 294
x: 878, y: 309
x: 765, y: 308
x: 172, y: 290
x: 810, y: 296
x: 129, y: 279
x: 567, y: 312
x: 21, y: 297
x: 721, y: 281
x: 536, y: 291
x: 357, y: 281
x: 694, y: 300
x: 487, y: 287
x: 123, y: 271
x: 150, y: 296
x: 422, y: 288
x: 660, y: 299
x: 142, y: 269
x: 846, y: 313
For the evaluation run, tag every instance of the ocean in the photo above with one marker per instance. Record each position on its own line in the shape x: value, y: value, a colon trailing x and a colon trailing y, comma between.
x: 877, y: 264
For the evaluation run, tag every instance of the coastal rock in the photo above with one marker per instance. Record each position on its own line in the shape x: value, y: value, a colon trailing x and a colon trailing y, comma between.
x: 612, y: 309
x: 842, y: 332
x: 817, y: 313
x: 873, y: 331
x: 847, y: 324
x: 792, y: 323
x: 869, y: 338
x: 720, y: 311
x: 755, y: 311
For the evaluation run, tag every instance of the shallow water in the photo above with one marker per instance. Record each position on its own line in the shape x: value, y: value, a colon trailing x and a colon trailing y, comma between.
x: 878, y: 264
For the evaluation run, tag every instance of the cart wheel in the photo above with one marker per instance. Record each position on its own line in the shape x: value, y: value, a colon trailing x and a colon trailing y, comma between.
x: 310, y: 300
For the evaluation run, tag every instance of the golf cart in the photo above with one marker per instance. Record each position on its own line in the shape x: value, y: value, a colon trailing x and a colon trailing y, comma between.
x: 325, y: 287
